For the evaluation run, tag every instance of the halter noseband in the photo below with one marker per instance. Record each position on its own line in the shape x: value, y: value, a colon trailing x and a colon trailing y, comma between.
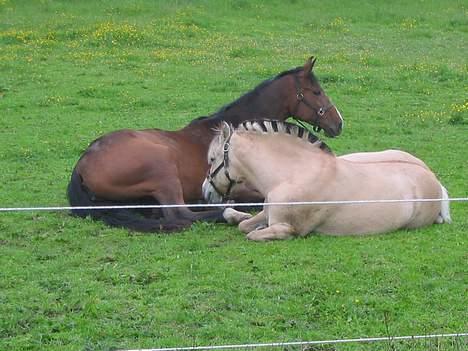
x: 225, y: 165
x: 320, y: 112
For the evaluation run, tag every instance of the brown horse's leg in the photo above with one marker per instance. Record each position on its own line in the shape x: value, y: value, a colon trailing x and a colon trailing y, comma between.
x: 186, y: 215
x: 206, y: 215
x: 172, y: 214
x: 172, y: 194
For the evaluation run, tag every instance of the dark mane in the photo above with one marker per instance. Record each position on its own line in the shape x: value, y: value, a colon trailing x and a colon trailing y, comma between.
x: 245, y: 99
x: 259, y: 87
x: 198, y: 119
x: 272, y: 126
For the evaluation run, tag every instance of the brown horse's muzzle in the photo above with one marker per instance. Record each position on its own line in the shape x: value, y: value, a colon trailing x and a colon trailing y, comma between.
x: 331, y: 122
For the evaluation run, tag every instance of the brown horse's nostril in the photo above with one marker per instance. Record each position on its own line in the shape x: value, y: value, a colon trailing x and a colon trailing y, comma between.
x: 335, y: 130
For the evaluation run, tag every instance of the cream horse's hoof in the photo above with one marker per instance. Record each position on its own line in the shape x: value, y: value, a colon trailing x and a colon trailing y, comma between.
x: 233, y: 216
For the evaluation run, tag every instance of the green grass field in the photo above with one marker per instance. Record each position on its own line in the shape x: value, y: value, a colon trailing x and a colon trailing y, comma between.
x: 71, y: 71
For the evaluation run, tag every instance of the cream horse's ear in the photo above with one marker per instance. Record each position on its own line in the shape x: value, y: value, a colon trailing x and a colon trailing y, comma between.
x: 226, y: 130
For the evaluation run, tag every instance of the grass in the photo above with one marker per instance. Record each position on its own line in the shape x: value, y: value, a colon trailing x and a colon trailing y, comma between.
x: 71, y: 71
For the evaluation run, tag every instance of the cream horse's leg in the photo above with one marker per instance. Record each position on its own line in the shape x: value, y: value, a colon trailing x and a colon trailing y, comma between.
x: 233, y: 216
x: 246, y: 222
x: 277, y: 231
x: 259, y: 220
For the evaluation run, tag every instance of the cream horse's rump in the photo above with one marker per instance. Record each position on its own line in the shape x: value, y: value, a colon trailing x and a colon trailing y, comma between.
x: 287, y: 164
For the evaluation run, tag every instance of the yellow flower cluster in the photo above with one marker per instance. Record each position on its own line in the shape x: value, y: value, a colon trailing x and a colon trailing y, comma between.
x: 28, y: 37
x: 164, y: 54
x: 337, y: 22
x: 408, y: 24
x: 337, y: 25
x: 52, y: 100
x: 418, y: 67
x: 459, y: 107
x: 179, y: 27
x: 439, y: 116
x: 18, y: 35
x: 116, y: 33
x: 47, y: 40
x: 87, y: 55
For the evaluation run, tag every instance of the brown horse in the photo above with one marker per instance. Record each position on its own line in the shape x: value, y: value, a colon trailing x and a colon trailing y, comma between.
x: 154, y: 166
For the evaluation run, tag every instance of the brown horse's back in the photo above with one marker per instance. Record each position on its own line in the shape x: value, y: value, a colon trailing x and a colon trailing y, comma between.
x: 129, y: 164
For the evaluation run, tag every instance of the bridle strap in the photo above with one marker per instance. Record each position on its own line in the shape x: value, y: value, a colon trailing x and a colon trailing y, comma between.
x: 224, y: 165
x: 212, y: 175
x: 319, y: 113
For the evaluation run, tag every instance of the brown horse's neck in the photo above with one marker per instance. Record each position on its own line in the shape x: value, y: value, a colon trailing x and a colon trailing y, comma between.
x: 269, y: 100
x: 201, y: 131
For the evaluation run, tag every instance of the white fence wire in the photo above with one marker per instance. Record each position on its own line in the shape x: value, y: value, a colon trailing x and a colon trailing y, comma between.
x: 243, y: 204
x: 307, y: 343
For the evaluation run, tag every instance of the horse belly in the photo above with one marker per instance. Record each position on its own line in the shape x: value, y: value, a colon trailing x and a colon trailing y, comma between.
x: 360, y: 219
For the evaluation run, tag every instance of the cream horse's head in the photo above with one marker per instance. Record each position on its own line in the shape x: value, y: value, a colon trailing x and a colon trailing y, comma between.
x: 222, y: 182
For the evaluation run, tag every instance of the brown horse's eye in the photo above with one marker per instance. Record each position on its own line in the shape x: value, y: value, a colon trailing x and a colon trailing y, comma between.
x: 317, y: 92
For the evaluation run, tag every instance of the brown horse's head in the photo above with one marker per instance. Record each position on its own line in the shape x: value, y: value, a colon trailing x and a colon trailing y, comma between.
x: 310, y: 103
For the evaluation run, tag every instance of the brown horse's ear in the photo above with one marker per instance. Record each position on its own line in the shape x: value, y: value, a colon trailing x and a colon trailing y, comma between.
x: 309, y: 65
x: 226, y: 130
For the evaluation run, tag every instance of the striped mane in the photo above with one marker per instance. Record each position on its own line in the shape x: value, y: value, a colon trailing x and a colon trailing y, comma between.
x: 273, y: 127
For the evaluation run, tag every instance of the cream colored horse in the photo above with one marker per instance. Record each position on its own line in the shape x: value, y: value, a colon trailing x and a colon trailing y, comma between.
x: 287, y: 164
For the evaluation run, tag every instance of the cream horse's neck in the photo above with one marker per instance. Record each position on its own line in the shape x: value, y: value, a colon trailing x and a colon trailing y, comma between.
x: 265, y: 160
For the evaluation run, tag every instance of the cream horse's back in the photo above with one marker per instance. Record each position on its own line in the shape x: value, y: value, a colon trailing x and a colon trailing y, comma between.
x: 401, y: 156
x: 290, y: 166
x: 383, y: 156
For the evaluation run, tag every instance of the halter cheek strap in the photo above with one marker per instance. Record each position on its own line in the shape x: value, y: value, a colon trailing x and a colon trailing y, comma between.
x: 210, y: 178
x: 319, y: 113
x: 225, y: 165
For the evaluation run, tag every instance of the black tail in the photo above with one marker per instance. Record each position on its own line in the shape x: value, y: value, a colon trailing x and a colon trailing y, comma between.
x: 79, y: 195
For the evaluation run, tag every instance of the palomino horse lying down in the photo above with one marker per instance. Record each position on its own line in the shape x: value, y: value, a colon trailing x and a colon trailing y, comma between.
x: 286, y: 163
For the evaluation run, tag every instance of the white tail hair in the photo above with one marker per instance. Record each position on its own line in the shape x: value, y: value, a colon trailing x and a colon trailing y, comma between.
x: 444, y: 215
